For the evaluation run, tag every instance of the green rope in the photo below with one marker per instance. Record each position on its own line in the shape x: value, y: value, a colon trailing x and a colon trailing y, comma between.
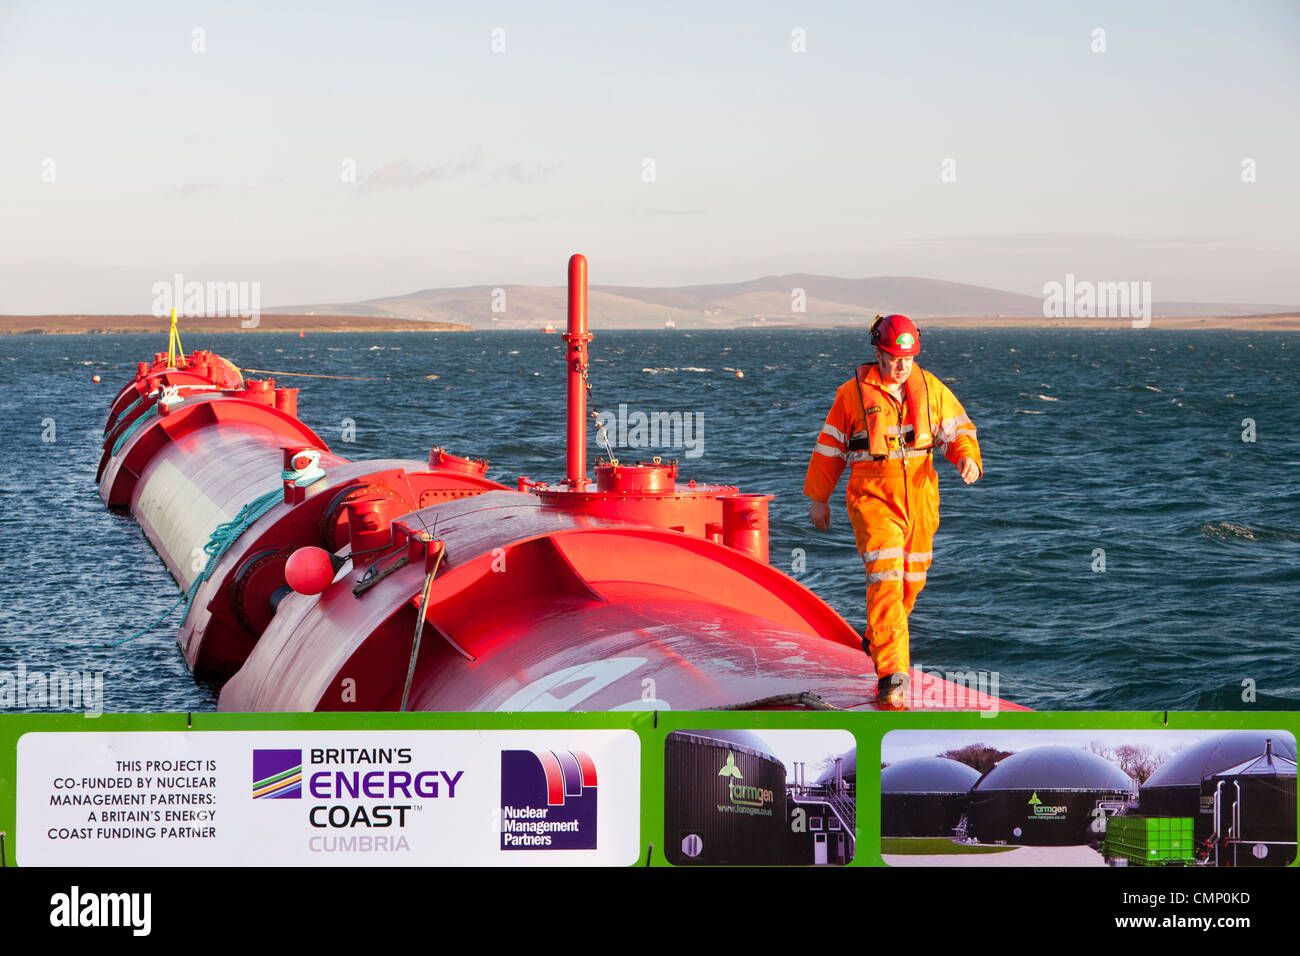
x: 155, y: 409
x: 126, y: 411
x: 805, y: 699
x: 218, y: 543
x: 186, y: 597
x: 226, y: 534
x: 135, y: 427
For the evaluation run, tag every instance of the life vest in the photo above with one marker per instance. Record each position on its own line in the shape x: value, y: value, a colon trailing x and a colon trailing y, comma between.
x: 916, y: 398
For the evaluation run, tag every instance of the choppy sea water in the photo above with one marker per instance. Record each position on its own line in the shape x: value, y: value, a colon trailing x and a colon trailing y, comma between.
x: 1125, y: 550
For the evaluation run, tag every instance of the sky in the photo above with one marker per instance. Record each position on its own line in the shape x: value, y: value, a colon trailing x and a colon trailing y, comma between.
x: 905, y: 744
x: 339, y: 151
x: 809, y: 747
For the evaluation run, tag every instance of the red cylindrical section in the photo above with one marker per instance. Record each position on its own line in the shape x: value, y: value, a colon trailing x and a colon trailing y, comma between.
x: 744, y: 524
x: 369, y: 525
x: 576, y: 359
x: 261, y: 391
x: 636, y: 479
x: 440, y: 460
x: 286, y: 399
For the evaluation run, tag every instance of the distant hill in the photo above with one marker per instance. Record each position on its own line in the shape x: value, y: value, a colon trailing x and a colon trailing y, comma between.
x: 767, y: 301
x: 281, y: 322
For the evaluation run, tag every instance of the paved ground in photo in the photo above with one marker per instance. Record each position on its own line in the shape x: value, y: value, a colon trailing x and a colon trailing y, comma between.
x: 1021, y: 856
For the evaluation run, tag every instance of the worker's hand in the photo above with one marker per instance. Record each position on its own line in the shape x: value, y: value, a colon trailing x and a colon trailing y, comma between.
x: 819, y: 512
x: 970, y: 472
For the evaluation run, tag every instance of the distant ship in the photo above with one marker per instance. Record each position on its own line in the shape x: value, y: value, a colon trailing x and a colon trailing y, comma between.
x: 670, y: 324
x: 549, y: 328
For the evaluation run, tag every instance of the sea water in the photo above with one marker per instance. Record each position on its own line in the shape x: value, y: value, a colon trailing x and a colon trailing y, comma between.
x: 1134, y: 542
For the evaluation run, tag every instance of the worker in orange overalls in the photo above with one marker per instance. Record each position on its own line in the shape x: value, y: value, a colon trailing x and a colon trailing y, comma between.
x: 885, y: 423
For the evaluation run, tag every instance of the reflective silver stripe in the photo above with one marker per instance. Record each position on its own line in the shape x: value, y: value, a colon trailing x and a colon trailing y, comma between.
x: 895, y: 575
x: 943, y: 445
x: 861, y: 434
x: 951, y: 427
x: 914, y: 576
x: 915, y: 556
x: 833, y: 432
x: 881, y: 554
x: 828, y: 450
x: 897, y: 430
x: 895, y: 455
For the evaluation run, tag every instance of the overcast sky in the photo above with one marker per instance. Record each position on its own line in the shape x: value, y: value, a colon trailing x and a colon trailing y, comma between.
x: 906, y: 744
x: 809, y: 747
x: 136, y: 147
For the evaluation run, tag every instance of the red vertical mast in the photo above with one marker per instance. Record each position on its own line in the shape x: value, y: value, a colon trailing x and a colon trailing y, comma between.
x: 576, y: 358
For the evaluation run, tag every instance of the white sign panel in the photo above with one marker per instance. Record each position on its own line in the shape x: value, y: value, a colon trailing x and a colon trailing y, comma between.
x: 311, y: 798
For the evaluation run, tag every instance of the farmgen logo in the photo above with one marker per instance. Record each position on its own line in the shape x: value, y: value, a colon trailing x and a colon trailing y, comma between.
x: 1043, y: 811
x: 749, y: 799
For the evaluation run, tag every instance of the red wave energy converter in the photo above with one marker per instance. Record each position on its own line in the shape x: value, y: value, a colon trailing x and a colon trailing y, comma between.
x: 315, y: 583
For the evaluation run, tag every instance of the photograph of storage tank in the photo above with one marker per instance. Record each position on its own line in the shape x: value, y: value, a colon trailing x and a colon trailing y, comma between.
x: 1088, y: 798
x: 782, y: 797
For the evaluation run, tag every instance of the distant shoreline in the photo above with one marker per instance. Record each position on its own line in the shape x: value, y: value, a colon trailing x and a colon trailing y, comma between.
x: 327, y: 324
x: 1269, y: 322
x: 147, y: 324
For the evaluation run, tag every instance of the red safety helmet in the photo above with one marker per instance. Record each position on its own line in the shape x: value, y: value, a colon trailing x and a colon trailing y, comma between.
x: 896, y: 335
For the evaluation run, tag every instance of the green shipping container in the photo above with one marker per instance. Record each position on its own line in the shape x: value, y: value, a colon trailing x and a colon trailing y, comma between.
x: 1149, y: 841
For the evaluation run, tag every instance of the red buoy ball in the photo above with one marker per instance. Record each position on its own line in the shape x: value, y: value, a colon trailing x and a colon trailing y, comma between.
x: 95, y: 379
x: 309, y: 570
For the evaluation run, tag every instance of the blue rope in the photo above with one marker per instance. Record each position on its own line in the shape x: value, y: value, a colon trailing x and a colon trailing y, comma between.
x: 227, y: 533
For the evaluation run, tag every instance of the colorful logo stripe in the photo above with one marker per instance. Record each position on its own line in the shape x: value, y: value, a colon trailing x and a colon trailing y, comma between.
x: 588, y: 768
x: 277, y: 774
x: 568, y: 773
x: 554, y: 778
x: 280, y: 785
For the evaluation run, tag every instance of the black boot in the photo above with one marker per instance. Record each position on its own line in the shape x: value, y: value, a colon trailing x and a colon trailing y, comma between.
x: 892, y: 689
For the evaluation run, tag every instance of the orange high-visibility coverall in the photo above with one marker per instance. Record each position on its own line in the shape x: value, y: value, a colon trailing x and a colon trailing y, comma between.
x: 894, y: 502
